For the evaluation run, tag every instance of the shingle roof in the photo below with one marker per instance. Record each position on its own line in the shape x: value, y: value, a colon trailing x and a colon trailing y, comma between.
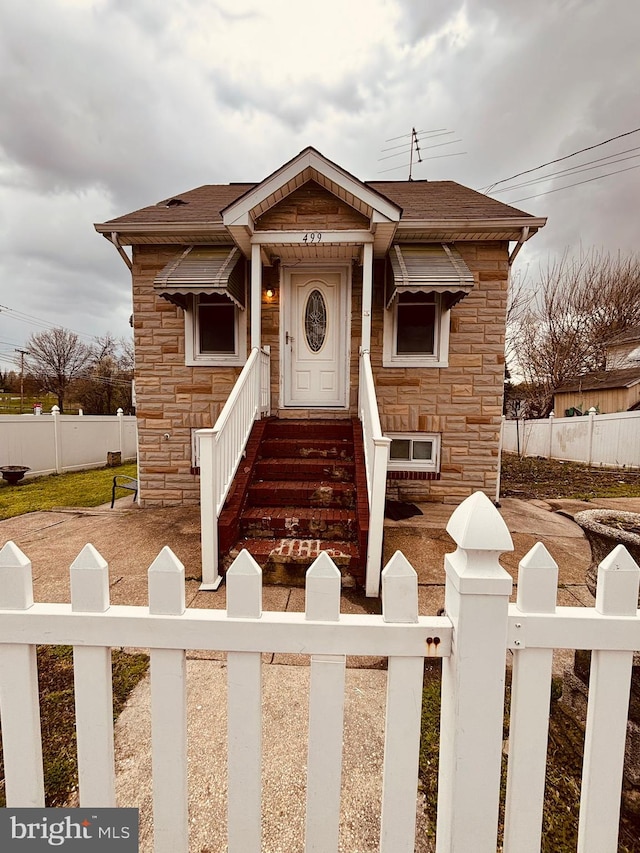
x: 603, y: 380
x: 442, y: 200
x: 419, y: 200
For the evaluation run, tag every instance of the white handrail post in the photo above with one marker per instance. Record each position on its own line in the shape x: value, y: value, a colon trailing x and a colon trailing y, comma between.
x: 551, y: 418
x: 367, y: 292
x: 376, y: 516
x: 208, y: 514
x: 256, y: 296
x: 476, y: 600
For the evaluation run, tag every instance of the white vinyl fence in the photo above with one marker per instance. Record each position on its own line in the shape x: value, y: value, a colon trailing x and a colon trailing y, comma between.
x: 51, y: 444
x: 611, y: 440
x: 472, y: 639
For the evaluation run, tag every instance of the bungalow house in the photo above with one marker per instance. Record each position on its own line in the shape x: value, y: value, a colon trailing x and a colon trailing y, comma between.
x: 310, y: 342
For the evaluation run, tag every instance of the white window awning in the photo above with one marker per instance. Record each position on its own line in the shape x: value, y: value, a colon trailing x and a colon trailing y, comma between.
x: 203, y: 271
x: 434, y: 268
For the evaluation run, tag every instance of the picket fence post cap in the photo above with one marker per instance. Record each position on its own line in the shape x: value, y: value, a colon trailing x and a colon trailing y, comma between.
x: 617, y: 587
x: 166, y: 584
x: 89, y: 581
x: 476, y: 525
x: 16, y: 587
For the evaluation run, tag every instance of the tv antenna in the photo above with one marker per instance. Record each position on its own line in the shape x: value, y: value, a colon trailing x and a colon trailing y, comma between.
x: 414, y: 140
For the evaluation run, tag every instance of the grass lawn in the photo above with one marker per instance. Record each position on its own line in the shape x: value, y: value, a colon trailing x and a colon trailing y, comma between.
x: 79, y: 488
x: 55, y: 663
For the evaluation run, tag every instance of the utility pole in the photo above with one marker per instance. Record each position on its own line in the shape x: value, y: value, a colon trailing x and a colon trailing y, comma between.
x: 22, y: 352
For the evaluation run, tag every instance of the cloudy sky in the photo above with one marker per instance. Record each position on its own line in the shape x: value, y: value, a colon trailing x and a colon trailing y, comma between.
x: 110, y: 105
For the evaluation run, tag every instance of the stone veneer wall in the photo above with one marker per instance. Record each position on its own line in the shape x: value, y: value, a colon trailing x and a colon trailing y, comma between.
x: 462, y: 402
x: 171, y: 398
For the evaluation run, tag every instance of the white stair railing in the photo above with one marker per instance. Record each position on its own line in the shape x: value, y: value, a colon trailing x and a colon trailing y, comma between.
x: 376, y: 455
x: 221, y: 450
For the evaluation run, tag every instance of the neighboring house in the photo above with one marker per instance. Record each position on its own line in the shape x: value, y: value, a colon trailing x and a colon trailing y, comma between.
x: 616, y: 389
x: 322, y: 268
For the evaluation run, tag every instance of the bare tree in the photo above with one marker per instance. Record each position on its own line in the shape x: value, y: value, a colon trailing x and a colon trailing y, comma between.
x: 55, y: 358
x: 106, y: 383
x: 562, y: 329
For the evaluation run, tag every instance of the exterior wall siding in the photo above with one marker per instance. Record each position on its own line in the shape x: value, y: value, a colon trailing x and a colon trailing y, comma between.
x: 462, y: 402
x: 313, y: 207
x: 605, y: 401
x: 172, y: 398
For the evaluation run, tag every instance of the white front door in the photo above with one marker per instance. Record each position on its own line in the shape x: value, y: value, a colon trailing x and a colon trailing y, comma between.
x: 315, y: 332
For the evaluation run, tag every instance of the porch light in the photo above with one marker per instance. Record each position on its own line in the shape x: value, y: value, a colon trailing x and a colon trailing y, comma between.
x: 270, y: 293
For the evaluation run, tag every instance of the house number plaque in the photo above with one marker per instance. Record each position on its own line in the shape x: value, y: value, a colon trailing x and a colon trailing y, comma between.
x: 312, y: 237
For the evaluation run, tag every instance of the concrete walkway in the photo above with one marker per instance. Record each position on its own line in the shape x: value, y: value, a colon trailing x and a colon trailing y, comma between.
x: 130, y: 539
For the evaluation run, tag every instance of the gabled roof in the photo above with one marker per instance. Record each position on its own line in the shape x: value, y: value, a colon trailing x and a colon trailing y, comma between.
x: 426, y: 210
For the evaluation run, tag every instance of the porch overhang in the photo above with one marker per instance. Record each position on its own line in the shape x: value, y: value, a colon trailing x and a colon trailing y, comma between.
x: 240, y: 217
x: 203, y: 271
x: 427, y: 269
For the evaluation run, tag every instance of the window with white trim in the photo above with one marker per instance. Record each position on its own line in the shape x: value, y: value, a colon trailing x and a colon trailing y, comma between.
x: 416, y: 331
x: 215, y: 331
x: 414, y: 451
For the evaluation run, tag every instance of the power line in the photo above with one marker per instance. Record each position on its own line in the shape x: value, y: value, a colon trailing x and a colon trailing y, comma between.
x: 37, y: 321
x: 560, y: 159
x: 574, y: 170
x: 577, y: 184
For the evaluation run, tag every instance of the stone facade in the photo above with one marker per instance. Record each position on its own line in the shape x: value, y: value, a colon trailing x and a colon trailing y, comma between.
x: 463, y: 402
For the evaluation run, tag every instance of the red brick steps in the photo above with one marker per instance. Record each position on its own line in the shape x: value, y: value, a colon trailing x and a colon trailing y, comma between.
x: 300, y: 491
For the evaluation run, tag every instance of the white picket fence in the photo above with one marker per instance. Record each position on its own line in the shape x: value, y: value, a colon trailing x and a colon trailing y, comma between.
x: 50, y: 444
x: 473, y: 639
x: 611, y: 440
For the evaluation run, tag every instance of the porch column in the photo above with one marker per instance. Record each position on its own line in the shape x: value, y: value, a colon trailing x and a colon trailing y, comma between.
x: 367, y: 293
x: 256, y: 296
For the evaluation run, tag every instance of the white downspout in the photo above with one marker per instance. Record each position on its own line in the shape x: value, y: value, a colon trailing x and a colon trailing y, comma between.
x: 524, y: 236
x: 113, y: 238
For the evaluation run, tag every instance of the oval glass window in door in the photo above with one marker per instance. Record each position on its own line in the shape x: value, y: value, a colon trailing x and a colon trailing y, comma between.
x: 315, y: 320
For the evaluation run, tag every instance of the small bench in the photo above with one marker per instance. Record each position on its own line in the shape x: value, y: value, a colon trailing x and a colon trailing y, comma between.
x: 121, y: 481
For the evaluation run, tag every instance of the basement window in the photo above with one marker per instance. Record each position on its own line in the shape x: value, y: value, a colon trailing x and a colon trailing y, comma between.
x: 414, y: 452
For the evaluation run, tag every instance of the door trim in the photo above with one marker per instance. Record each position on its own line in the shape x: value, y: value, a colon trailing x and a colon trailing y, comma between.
x: 344, y: 270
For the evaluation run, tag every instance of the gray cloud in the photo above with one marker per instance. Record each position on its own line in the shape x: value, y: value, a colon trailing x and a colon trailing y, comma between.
x: 109, y: 106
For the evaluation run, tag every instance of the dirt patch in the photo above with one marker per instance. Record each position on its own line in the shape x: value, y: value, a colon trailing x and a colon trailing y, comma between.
x: 535, y: 478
